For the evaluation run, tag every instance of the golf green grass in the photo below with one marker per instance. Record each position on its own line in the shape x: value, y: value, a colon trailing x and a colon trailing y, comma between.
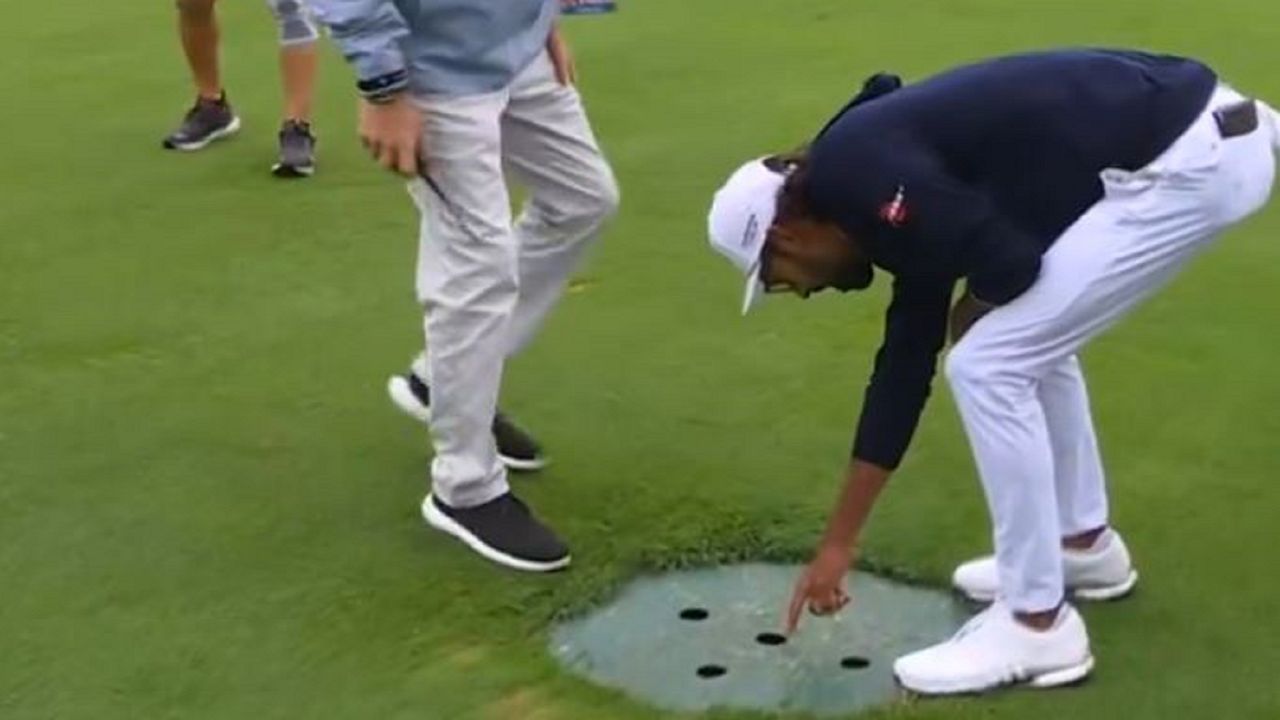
x: 209, y: 510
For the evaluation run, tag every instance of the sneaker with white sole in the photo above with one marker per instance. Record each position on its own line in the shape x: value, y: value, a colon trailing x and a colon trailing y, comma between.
x: 994, y: 650
x: 502, y: 530
x: 209, y: 119
x: 517, y: 449
x: 1103, y: 572
x: 297, y: 151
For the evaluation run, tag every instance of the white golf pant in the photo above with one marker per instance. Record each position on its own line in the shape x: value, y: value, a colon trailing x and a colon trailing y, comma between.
x: 484, y: 284
x: 1016, y: 377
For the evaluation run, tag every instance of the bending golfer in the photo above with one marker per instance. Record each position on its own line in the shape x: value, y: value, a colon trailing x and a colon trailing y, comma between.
x: 1063, y: 188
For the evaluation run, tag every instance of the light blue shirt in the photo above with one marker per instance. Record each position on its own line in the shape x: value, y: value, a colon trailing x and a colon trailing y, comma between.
x: 448, y: 47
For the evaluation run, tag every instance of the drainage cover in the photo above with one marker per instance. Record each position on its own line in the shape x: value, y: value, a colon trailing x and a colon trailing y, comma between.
x: 694, y: 640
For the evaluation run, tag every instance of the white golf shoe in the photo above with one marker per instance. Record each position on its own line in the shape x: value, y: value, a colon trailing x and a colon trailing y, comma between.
x: 994, y: 650
x: 1103, y: 572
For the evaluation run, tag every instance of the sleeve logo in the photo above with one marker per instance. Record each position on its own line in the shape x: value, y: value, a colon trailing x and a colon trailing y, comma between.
x: 894, y: 212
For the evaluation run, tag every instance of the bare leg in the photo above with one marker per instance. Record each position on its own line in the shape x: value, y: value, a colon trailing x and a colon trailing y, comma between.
x: 198, y: 28
x: 298, y: 73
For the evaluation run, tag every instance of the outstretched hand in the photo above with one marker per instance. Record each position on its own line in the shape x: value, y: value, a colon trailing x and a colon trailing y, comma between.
x: 821, y: 586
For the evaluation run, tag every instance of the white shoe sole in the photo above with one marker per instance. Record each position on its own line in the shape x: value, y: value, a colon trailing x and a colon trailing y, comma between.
x: 1101, y: 593
x: 1107, y: 592
x: 517, y: 465
x: 1066, y: 676
x: 1043, y: 681
x: 444, y: 523
x: 281, y: 170
x: 402, y: 397
x: 228, y: 131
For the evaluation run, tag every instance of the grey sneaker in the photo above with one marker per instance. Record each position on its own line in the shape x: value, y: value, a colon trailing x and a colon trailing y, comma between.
x: 206, y: 121
x: 297, y: 151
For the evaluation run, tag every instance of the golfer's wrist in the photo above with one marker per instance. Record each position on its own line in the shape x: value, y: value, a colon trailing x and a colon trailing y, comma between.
x: 837, y: 542
x: 384, y: 88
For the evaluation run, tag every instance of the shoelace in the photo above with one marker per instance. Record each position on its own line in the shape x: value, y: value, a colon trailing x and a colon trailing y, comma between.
x: 293, y: 128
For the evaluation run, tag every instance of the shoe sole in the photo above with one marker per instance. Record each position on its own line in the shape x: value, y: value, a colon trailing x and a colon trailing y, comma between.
x: 1110, y: 592
x: 1062, y: 677
x: 281, y: 170
x: 522, y: 466
x: 1104, y: 593
x: 446, y: 524
x: 231, y: 129
x: 402, y: 397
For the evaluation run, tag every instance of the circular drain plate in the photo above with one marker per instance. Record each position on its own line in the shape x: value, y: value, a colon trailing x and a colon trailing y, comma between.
x: 711, y: 638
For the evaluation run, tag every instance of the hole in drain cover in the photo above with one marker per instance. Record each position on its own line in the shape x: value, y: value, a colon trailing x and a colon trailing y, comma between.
x: 771, y: 638
x: 706, y: 672
x: 854, y: 662
x: 694, y: 614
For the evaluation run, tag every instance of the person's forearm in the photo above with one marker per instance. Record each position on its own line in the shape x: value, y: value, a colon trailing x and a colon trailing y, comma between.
x: 863, y: 483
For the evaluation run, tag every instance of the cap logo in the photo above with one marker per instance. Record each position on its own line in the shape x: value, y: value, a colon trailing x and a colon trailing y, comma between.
x: 753, y: 223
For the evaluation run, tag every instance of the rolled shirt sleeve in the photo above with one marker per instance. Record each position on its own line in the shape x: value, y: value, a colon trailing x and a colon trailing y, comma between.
x: 369, y: 33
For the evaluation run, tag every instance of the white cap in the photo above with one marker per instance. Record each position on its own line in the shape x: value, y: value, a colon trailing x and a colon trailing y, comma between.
x: 741, y: 215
